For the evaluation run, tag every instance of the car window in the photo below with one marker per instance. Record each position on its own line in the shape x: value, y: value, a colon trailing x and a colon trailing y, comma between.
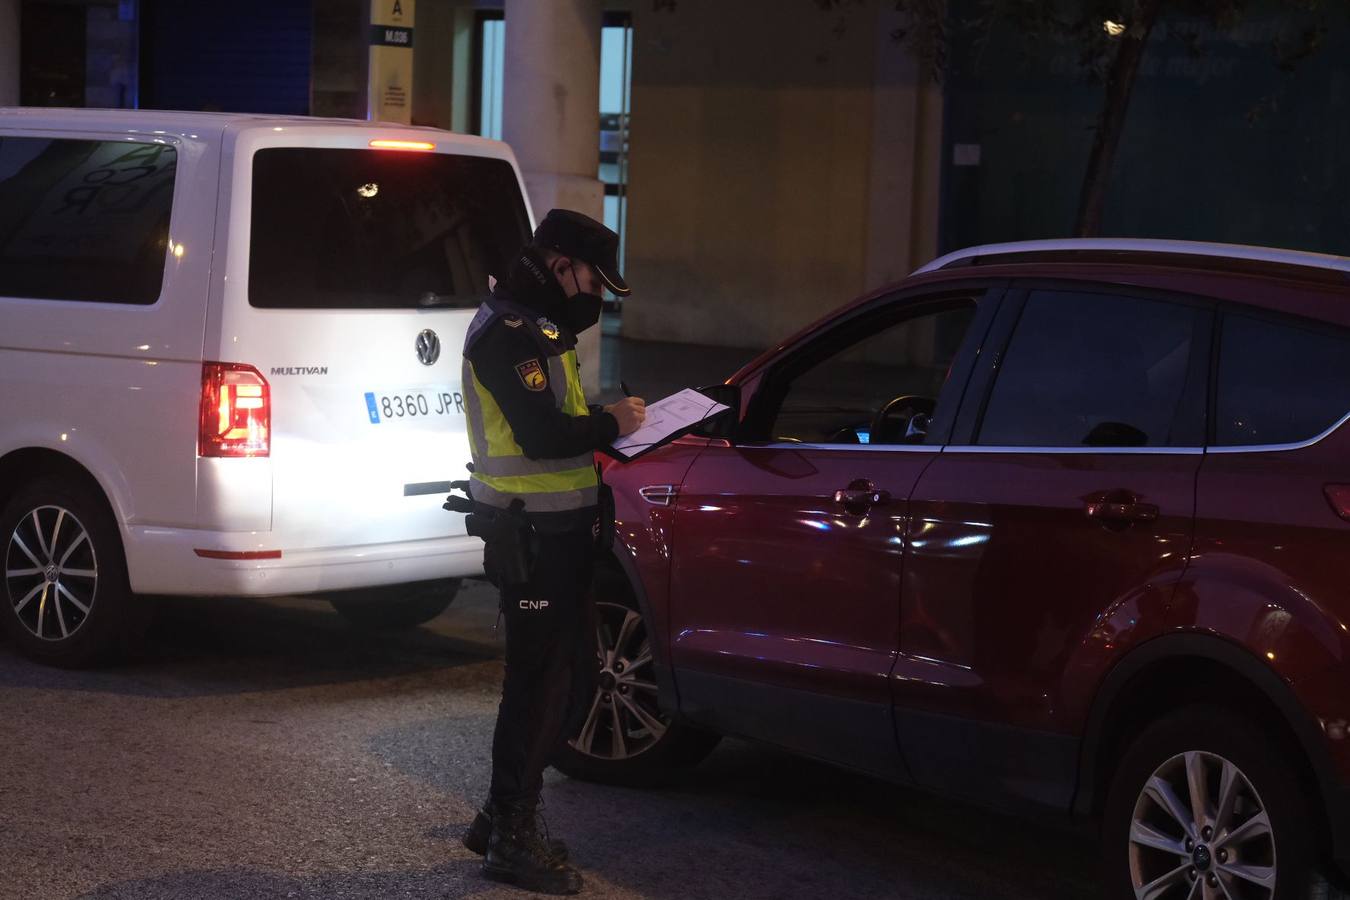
x: 380, y: 229
x: 84, y: 220
x: 1279, y: 383
x: 1091, y: 369
x: 893, y: 367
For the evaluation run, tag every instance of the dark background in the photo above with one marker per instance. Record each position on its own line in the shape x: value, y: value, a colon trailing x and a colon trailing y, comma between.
x: 1223, y: 146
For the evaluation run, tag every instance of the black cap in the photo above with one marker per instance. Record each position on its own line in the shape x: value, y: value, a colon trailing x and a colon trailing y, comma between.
x: 573, y: 234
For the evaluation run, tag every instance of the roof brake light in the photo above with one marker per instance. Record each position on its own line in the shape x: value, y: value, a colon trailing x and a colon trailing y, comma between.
x: 402, y: 145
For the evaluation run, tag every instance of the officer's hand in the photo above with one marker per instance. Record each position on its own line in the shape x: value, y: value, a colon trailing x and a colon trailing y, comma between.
x: 630, y: 411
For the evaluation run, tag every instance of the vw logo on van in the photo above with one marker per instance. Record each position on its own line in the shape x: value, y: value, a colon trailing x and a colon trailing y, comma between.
x: 428, y: 347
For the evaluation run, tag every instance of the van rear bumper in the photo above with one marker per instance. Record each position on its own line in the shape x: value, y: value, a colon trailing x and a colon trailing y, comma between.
x: 165, y: 561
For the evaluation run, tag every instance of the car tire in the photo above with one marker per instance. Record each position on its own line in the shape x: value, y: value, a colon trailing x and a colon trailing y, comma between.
x: 397, y: 606
x: 1266, y: 825
x: 651, y: 748
x: 66, y: 599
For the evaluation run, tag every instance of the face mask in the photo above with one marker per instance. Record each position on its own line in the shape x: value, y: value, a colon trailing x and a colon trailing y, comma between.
x: 582, y: 309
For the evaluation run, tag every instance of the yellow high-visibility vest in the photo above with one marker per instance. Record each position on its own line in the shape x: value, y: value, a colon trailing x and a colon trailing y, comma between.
x: 501, y: 470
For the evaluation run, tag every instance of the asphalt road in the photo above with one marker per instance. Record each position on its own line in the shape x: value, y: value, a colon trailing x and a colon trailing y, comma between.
x: 265, y: 749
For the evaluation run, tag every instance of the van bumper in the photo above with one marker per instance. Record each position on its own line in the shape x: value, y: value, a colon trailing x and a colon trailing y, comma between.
x: 166, y: 561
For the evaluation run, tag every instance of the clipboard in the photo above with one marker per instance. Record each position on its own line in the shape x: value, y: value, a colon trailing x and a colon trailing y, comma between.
x: 667, y: 419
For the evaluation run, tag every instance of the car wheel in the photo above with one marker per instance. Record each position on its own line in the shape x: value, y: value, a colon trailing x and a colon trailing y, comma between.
x: 396, y: 606
x: 1207, y: 805
x: 66, y: 600
x: 625, y: 738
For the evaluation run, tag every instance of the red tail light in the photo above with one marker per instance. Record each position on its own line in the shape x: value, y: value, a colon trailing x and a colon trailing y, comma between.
x: 1339, y: 495
x: 236, y: 411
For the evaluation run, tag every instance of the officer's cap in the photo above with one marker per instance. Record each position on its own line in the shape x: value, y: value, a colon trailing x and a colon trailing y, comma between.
x: 572, y: 234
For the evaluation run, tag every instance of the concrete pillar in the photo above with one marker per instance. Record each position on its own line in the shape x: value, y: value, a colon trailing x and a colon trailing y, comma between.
x: 551, y: 116
x: 435, y: 55
x: 462, y: 78
x: 339, y: 59
x: 9, y: 52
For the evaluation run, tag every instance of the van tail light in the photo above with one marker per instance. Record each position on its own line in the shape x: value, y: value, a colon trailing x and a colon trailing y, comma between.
x: 1339, y: 495
x: 236, y: 412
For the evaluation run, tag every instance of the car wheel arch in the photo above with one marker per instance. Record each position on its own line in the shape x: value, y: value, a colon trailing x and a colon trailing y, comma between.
x: 1215, y: 669
x: 20, y: 466
x: 620, y: 563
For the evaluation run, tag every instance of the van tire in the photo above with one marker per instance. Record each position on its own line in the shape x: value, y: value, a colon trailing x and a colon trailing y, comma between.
x: 397, y: 606
x: 86, y: 540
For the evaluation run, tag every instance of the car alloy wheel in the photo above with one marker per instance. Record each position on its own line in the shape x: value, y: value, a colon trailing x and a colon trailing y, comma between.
x: 51, y: 573
x: 624, y: 719
x: 1201, y: 831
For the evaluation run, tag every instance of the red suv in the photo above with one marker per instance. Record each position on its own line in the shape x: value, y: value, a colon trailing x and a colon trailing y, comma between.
x: 1058, y: 525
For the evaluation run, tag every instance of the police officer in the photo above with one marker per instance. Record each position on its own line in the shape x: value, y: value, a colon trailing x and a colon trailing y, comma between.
x: 532, y: 437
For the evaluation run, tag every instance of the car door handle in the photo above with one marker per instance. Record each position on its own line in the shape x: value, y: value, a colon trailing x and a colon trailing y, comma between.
x: 658, y: 494
x: 1121, y: 508
x: 860, y: 496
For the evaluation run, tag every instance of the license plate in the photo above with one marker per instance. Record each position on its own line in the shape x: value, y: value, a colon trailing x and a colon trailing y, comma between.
x: 418, y: 403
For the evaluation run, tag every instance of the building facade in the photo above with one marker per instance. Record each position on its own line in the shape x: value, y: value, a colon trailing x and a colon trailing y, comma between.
x: 763, y: 160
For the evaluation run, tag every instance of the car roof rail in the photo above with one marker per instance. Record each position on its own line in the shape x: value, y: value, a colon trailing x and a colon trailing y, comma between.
x: 1137, y: 251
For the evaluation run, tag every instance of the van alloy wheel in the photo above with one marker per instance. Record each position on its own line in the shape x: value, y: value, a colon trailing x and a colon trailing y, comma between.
x: 624, y: 719
x: 51, y: 573
x: 1201, y: 832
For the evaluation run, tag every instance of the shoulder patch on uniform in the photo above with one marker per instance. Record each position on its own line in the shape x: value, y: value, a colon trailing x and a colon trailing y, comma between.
x: 532, y: 375
x: 513, y: 321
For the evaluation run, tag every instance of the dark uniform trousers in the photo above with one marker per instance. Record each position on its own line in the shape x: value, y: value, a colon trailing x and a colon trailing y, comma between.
x: 551, y: 664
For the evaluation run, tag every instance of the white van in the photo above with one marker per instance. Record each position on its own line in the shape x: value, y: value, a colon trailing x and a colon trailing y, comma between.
x: 229, y: 362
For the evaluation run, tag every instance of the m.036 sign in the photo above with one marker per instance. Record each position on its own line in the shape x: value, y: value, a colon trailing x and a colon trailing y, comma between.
x: 391, y: 60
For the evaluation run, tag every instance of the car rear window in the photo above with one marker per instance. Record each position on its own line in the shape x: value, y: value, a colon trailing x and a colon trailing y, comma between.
x: 1280, y: 383
x: 84, y: 220
x: 380, y: 229
x: 1093, y: 370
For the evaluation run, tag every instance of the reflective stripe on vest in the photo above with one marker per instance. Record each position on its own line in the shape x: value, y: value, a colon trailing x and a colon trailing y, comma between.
x: 503, y: 472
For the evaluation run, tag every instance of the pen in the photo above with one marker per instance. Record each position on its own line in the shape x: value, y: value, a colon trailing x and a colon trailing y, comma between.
x: 623, y: 386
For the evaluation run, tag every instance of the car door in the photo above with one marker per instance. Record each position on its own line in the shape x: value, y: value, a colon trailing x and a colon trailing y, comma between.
x: 788, y: 541
x: 1050, y: 531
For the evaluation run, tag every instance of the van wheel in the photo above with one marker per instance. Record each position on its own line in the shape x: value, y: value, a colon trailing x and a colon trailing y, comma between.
x: 396, y: 606
x: 624, y: 737
x: 66, y: 601
x: 1205, y: 804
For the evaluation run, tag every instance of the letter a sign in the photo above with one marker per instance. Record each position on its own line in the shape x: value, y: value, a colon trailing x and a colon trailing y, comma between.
x: 391, y: 61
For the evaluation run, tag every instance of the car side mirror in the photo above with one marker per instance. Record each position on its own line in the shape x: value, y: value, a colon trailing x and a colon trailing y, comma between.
x: 722, y: 425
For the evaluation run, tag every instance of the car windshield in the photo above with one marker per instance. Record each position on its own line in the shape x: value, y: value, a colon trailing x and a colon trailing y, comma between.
x: 380, y: 229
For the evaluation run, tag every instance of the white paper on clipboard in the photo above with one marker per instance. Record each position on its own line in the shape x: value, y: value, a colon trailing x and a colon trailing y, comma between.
x: 666, y: 417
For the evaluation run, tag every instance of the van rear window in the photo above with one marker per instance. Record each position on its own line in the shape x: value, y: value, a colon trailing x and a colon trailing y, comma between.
x: 84, y: 220
x: 379, y: 229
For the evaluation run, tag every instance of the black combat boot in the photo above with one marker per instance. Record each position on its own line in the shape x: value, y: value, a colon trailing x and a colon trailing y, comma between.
x: 518, y: 854
x: 479, y: 832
